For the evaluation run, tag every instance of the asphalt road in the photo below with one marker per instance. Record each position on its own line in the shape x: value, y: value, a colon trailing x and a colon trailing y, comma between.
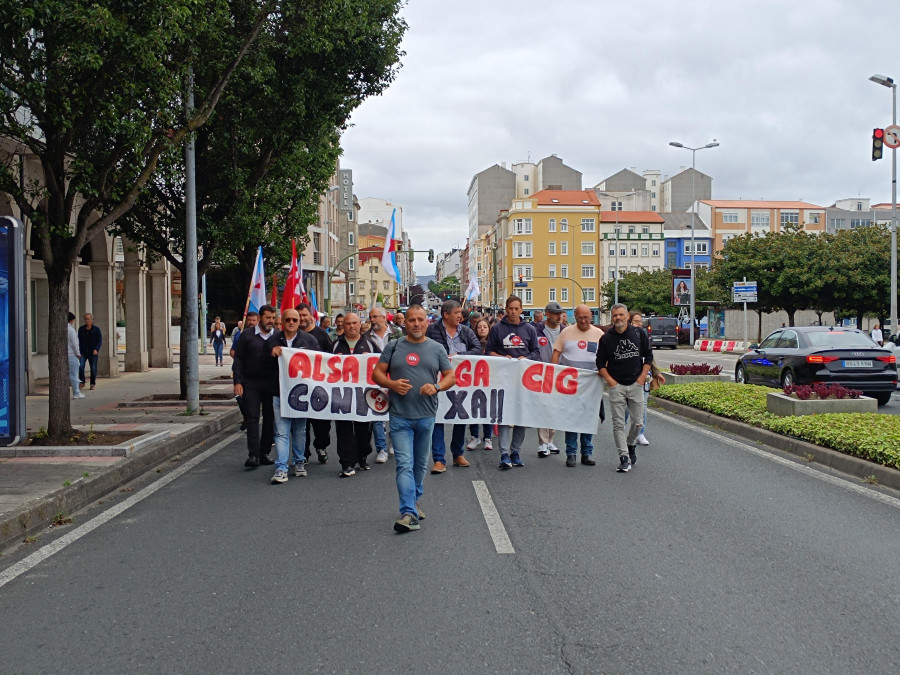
x: 710, y: 556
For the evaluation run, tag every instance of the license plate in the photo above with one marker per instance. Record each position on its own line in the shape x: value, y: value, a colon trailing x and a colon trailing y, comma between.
x: 657, y: 339
x: 857, y: 364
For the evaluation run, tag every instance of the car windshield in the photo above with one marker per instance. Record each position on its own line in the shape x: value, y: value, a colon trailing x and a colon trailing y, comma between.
x: 840, y: 338
x: 663, y: 324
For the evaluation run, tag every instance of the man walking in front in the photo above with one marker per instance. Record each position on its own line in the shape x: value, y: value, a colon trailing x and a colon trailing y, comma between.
x: 90, y: 339
x: 255, y: 379
x: 577, y: 347
x: 290, y: 432
x: 456, y: 338
x: 548, y: 332
x: 411, y: 369
x: 623, y: 360
x: 380, y: 334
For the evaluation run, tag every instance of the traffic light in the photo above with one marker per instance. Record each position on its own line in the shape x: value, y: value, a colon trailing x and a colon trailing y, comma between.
x: 877, y: 144
x: 431, y: 250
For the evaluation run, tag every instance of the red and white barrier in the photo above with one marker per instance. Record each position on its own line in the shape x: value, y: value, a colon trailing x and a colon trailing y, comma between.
x: 720, y: 346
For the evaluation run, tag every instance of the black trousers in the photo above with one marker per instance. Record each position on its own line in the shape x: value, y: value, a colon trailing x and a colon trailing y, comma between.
x: 323, y: 434
x: 354, y: 442
x: 256, y: 398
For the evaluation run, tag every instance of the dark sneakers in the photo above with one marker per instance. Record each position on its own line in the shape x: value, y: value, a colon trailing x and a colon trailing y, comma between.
x: 516, y: 460
x: 505, y: 462
x: 570, y: 460
x: 624, y: 465
x: 632, y: 454
x: 587, y: 460
x: 265, y: 460
x: 252, y: 462
x: 323, y: 455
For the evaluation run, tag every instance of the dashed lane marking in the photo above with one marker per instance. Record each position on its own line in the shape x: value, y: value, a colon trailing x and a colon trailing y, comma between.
x: 495, y: 525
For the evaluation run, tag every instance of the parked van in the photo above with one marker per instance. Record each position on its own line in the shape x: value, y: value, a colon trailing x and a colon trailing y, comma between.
x: 663, y: 331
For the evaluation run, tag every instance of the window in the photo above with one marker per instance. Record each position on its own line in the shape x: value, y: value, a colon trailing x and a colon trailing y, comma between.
x: 612, y: 275
x: 652, y: 183
x: 814, y: 218
x: 859, y: 222
x: 587, y: 224
x: 522, y: 226
x: 564, y: 225
x: 351, y: 263
x: 587, y: 248
x: 759, y: 222
x: 529, y: 296
x: 522, y: 249
x: 362, y: 285
x: 653, y: 195
x: 526, y: 191
x: 552, y: 248
x: 623, y: 250
x: 587, y: 271
x: 523, y: 270
x: 726, y: 237
x: 526, y: 178
x: 551, y: 271
x: 552, y: 295
x: 552, y: 227
x: 631, y: 229
x: 351, y: 239
x: 645, y: 250
x: 564, y: 271
x: 790, y: 218
x: 563, y: 294
x: 615, y: 206
x: 859, y: 206
x: 386, y: 285
x: 375, y: 269
x: 564, y: 248
x: 702, y: 247
x: 671, y: 259
x: 655, y: 250
x: 634, y: 250
x: 645, y: 230
x: 589, y: 295
x: 729, y: 216
x: 352, y: 289
x: 612, y: 250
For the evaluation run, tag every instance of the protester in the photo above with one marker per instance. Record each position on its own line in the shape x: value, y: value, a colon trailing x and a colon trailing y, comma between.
x: 278, y: 324
x: 577, y: 346
x: 623, y: 361
x: 410, y: 369
x: 321, y: 428
x: 338, y: 328
x: 482, y: 330
x: 636, y: 319
x: 473, y: 319
x: 456, y: 338
x: 90, y: 339
x: 255, y: 379
x: 252, y: 322
x: 290, y: 432
x: 400, y: 322
x: 538, y: 320
x: 547, y: 333
x: 217, y: 340
x: 381, y: 334
x: 514, y: 339
x: 354, y: 439
x: 235, y: 334
x: 325, y: 324
x: 74, y: 353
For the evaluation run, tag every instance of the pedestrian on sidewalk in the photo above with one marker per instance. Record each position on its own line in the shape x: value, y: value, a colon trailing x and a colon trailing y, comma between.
x: 514, y: 339
x: 354, y: 439
x: 217, y: 340
x: 255, y: 378
x: 290, y: 432
x: 548, y: 331
x: 236, y: 333
x: 380, y: 334
x: 74, y: 356
x: 623, y: 361
x: 90, y: 339
x: 456, y: 338
x: 577, y: 347
x: 321, y: 428
x: 415, y: 369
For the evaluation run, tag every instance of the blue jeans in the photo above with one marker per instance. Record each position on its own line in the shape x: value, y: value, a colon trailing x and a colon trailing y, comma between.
x: 378, y: 433
x: 412, y: 443
x: 457, y: 441
x: 91, y: 360
x: 73, y: 375
x: 486, y: 431
x: 290, y: 438
x: 587, y: 443
x: 218, y: 347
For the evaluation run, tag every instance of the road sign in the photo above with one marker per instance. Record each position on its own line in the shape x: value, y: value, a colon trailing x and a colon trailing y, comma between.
x: 892, y: 136
x: 521, y: 284
x: 744, y: 291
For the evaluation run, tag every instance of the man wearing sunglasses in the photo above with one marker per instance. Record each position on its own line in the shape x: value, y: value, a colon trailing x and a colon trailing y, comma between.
x: 290, y: 432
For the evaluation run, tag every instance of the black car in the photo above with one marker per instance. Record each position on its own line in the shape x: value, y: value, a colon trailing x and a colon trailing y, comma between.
x: 810, y: 354
x: 663, y: 331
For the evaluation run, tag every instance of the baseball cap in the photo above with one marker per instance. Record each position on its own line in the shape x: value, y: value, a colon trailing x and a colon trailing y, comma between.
x: 553, y: 308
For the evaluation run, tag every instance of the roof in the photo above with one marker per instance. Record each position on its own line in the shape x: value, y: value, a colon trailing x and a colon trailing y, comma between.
x: 682, y: 221
x: 566, y: 198
x: 757, y: 204
x: 631, y: 217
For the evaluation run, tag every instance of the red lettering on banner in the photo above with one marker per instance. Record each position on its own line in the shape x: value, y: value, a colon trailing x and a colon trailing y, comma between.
x: 567, y: 381
x: 334, y: 369
x: 350, y: 371
x: 299, y: 365
x: 371, y: 362
x: 463, y: 374
x: 530, y: 377
x: 482, y: 374
x: 543, y: 378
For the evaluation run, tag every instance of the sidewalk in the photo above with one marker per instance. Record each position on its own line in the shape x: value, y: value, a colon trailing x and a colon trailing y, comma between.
x: 34, y: 489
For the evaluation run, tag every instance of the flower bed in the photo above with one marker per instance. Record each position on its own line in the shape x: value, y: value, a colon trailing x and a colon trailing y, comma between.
x: 694, y: 369
x: 871, y: 436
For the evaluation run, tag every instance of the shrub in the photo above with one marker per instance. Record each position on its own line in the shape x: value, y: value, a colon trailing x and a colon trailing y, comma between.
x: 820, y: 390
x: 871, y: 436
x: 695, y: 369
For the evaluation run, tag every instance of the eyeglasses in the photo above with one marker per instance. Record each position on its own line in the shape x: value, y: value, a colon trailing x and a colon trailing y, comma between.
x: 290, y: 320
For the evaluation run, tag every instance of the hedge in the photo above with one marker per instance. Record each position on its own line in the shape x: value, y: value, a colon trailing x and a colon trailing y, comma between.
x: 871, y: 436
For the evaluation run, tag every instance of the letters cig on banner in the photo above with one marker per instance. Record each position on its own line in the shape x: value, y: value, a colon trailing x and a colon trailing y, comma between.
x: 489, y: 390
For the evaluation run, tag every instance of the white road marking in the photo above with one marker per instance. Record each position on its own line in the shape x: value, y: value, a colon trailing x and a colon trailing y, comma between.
x: 809, y: 471
x: 492, y: 518
x: 56, y: 546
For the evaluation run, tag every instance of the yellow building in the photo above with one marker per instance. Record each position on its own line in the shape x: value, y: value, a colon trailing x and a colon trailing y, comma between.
x: 550, y: 250
x: 373, y: 280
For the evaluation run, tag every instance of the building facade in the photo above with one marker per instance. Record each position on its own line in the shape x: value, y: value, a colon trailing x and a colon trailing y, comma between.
x: 633, y: 241
x: 677, y: 230
x: 732, y: 218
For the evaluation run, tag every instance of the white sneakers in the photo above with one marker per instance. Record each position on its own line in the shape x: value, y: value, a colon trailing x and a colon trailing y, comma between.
x: 488, y: 444
x: 543, y: 450
x: 642, y: 440
x: 382, y: 457
x: 79, y: 395
x: 473, y: 444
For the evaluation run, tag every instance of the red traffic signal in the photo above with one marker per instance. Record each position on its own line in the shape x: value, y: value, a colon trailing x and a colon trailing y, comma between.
x: 877, y: 144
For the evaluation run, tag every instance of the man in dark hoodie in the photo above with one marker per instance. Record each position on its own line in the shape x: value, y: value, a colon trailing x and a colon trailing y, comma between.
x: 255, y: 379
x: 514, y: 339
x: 455, y: 337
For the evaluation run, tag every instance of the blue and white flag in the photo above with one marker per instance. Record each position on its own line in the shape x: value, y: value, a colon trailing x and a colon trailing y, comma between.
x: 389, y: 257
x: 257, y: 284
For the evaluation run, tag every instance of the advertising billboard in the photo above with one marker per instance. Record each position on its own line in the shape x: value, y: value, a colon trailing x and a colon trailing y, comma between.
x: 681, y: 288
x: 12, y: 331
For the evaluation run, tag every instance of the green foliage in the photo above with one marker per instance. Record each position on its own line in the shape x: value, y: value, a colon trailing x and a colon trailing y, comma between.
x: 651, y: 292
x: 871, y: 436
x: 448, y: 285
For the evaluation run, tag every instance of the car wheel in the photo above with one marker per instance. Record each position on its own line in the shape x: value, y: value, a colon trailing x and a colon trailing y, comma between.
x: 740, y: 375
x: 883, y: 398
x: 787, y: 378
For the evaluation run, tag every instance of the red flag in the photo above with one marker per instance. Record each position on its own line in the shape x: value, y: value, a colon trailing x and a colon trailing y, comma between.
x: 291, y: 297
x: 274, y: 301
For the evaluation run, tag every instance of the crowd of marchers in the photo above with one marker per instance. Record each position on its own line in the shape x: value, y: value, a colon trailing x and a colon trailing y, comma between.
x: 414, y: 364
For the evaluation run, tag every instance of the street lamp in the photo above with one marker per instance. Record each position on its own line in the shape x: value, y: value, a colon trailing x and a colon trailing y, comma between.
x: 886, y: 81
x: 675, y: 144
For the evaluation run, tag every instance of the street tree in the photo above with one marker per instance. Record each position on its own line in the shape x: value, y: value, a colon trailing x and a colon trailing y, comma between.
x: 94, y: 90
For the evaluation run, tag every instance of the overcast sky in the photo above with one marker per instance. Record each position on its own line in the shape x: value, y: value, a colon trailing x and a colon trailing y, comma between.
x: 782, y: 86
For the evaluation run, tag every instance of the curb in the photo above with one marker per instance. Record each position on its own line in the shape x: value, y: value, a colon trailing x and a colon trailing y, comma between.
x: 38, y: 515
x: 853, y: 466
x: 121, y: 450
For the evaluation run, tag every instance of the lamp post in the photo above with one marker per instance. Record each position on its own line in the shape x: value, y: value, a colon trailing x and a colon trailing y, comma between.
x: 675, y: 144
x: 886, y: 81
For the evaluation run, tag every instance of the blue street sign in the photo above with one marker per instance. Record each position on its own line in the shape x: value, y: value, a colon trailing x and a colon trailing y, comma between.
x: 744, y: 291
x: 12, y: 331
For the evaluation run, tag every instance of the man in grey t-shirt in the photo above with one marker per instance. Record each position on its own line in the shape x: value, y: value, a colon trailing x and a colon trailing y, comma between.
x: 410, y: 368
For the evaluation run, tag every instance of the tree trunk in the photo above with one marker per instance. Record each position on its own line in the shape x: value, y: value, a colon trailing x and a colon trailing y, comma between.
x: 859, y: 320
x: 59, y: 423
x: 790, y: 314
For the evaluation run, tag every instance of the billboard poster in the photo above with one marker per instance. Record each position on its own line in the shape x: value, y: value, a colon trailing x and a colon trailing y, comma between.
x: 12, y: 332
x: 681, y: 288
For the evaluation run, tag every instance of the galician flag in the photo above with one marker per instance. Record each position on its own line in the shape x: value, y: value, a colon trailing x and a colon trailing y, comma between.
x: 257, y: 284
x: 389, y: 257
x: 472, y: 290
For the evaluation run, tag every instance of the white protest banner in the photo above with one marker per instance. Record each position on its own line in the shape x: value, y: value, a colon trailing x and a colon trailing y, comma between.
x: 489, y: 390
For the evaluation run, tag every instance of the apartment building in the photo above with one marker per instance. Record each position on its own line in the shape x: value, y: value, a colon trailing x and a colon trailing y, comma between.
x: 633, y: 242
x: 849, y: 214
x: 732, y: 218
x: 677, y: 231
x: 678, y: 192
